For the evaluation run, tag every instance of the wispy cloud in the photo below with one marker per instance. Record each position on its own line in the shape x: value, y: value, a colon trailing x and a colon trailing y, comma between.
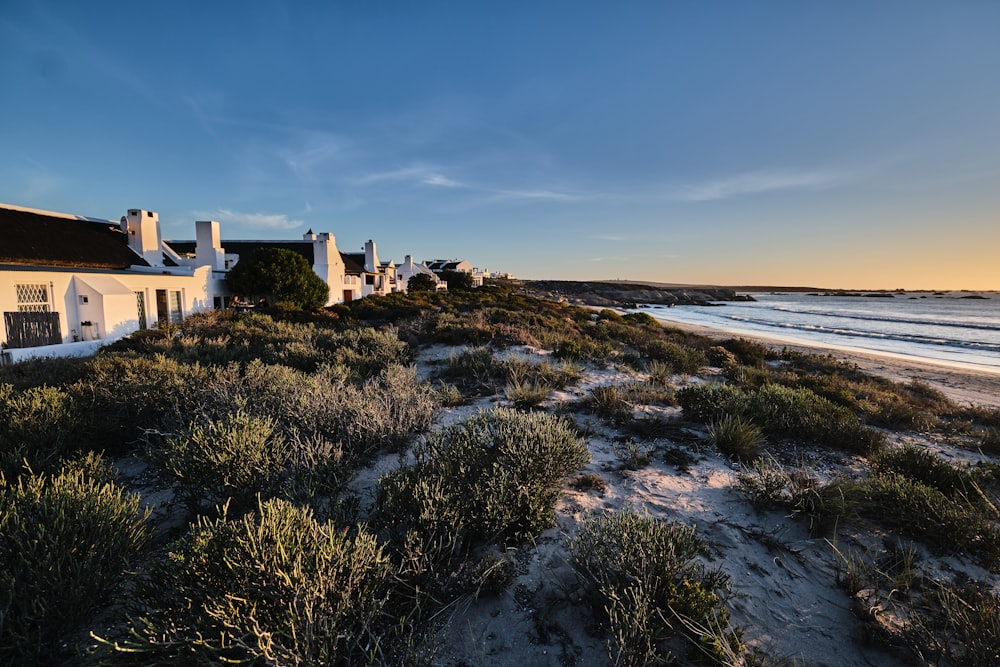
x: 265, y: 221
x: 755, y: 183
x: 608, y: 259
x: 609, y: 237
x: 418, y: 173
x: 550, y: 195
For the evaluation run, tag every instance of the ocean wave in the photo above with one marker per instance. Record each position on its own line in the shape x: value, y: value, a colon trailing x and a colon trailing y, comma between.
x: 891, y: 319
x: 814, y: 328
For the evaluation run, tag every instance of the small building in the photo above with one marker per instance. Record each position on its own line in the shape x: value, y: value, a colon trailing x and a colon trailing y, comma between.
x: 409, y: 268
x: 439, y: 266
x: 69, y: 280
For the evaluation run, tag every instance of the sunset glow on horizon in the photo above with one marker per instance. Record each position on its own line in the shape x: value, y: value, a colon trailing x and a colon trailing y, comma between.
x: 833, y: 145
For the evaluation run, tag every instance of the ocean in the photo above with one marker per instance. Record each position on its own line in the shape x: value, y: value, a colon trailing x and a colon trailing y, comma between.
x: 940, y: 328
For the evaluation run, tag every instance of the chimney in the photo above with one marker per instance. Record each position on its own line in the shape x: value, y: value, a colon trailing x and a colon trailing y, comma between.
x: 143, y: 229
x: 371, y: 259
x: 208, y: 247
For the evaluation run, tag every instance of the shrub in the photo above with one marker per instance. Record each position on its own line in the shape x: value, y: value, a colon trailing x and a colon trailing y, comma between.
x: 924, y: 466
x: 491, y: 477
x: 736, y: 437
x: 959, y: 624
x: 923, y: 512
x: 475, y: 368
x: 748, y: 352
x: 38, y: 426
x: 557, y: 375
x: 680, y: 359
x: 65, y: 542
x: 647, y: 581
x: 633, y: 455
x: 609, y: 402
x: 365, y: 352
x: 641, y: 319
x: 526, y: 394
x: 783, y: 411
x: 721, y: 357
x: 274, y: 587
x: 235, y: 457
x: 568, y: 349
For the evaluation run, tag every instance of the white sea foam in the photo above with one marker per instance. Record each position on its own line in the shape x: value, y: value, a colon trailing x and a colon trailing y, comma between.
x: 944, y: 329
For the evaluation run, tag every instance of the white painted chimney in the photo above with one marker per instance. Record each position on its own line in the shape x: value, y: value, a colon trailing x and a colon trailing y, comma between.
x: 143, y: 229
x: 371, y: 259
x: 208, y: 246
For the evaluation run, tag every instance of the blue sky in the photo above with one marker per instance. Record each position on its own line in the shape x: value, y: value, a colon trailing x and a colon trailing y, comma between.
x: 852, y: 144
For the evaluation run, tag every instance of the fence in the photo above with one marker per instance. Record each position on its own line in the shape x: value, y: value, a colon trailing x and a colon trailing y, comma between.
x: 32, y: 329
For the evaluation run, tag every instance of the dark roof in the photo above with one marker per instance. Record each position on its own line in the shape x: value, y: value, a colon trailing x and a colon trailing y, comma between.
x: 244, y: 248
x: 39, y: 238
x: 354, y: 262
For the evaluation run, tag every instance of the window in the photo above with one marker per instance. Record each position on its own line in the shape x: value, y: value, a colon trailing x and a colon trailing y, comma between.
x: 168, y: 307
x: 32, y: 298
x: 140, y: 306
x: 84, y: 299
x: 176, y: 313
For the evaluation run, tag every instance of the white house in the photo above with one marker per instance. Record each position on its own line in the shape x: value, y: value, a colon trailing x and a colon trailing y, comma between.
x: 67, y: 280
x: 409, y: 268
x: 70, y: 283
x: 439, y: 266
x: 350, y: 275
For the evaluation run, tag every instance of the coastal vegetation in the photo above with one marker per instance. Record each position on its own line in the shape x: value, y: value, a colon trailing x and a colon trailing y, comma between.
x: 290, y: 486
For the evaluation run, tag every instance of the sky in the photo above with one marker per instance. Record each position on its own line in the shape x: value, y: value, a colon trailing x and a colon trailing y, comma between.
x: 850, y: 144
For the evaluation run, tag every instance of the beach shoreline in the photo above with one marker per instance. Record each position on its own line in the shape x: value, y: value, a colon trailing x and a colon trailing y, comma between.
x: 962, y: 385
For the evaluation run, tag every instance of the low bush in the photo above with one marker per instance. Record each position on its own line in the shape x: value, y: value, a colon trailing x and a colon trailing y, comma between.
x: 493, y: 477
x: 782, y: 411
x: 273, y: 587
x: 957, y: 625
x: 609, y: 402
x: 924, y: 466
x: 747, y: 352
x: 65, y: 542
x: 680, y: 359
x: 770, y: 484
x: 38, y: 426
x: 950, y: 524
x: 736, y: 437
x: 649, y: 587
x: 633, y: 455
x: 475, y: 368
x: 526, y: 394
x: 237, y: 457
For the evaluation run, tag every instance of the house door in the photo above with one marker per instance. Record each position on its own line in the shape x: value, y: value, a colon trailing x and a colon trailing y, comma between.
x: 348, y: 295
x: 162, y: 310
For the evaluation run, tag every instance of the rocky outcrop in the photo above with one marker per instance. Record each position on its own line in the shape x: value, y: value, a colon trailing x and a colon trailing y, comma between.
x: 629, y: 295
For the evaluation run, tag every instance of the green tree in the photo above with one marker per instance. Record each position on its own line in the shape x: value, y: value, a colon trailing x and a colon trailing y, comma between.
x: 422, y: 282
x: 281, y: 274
x: 457, y: 280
